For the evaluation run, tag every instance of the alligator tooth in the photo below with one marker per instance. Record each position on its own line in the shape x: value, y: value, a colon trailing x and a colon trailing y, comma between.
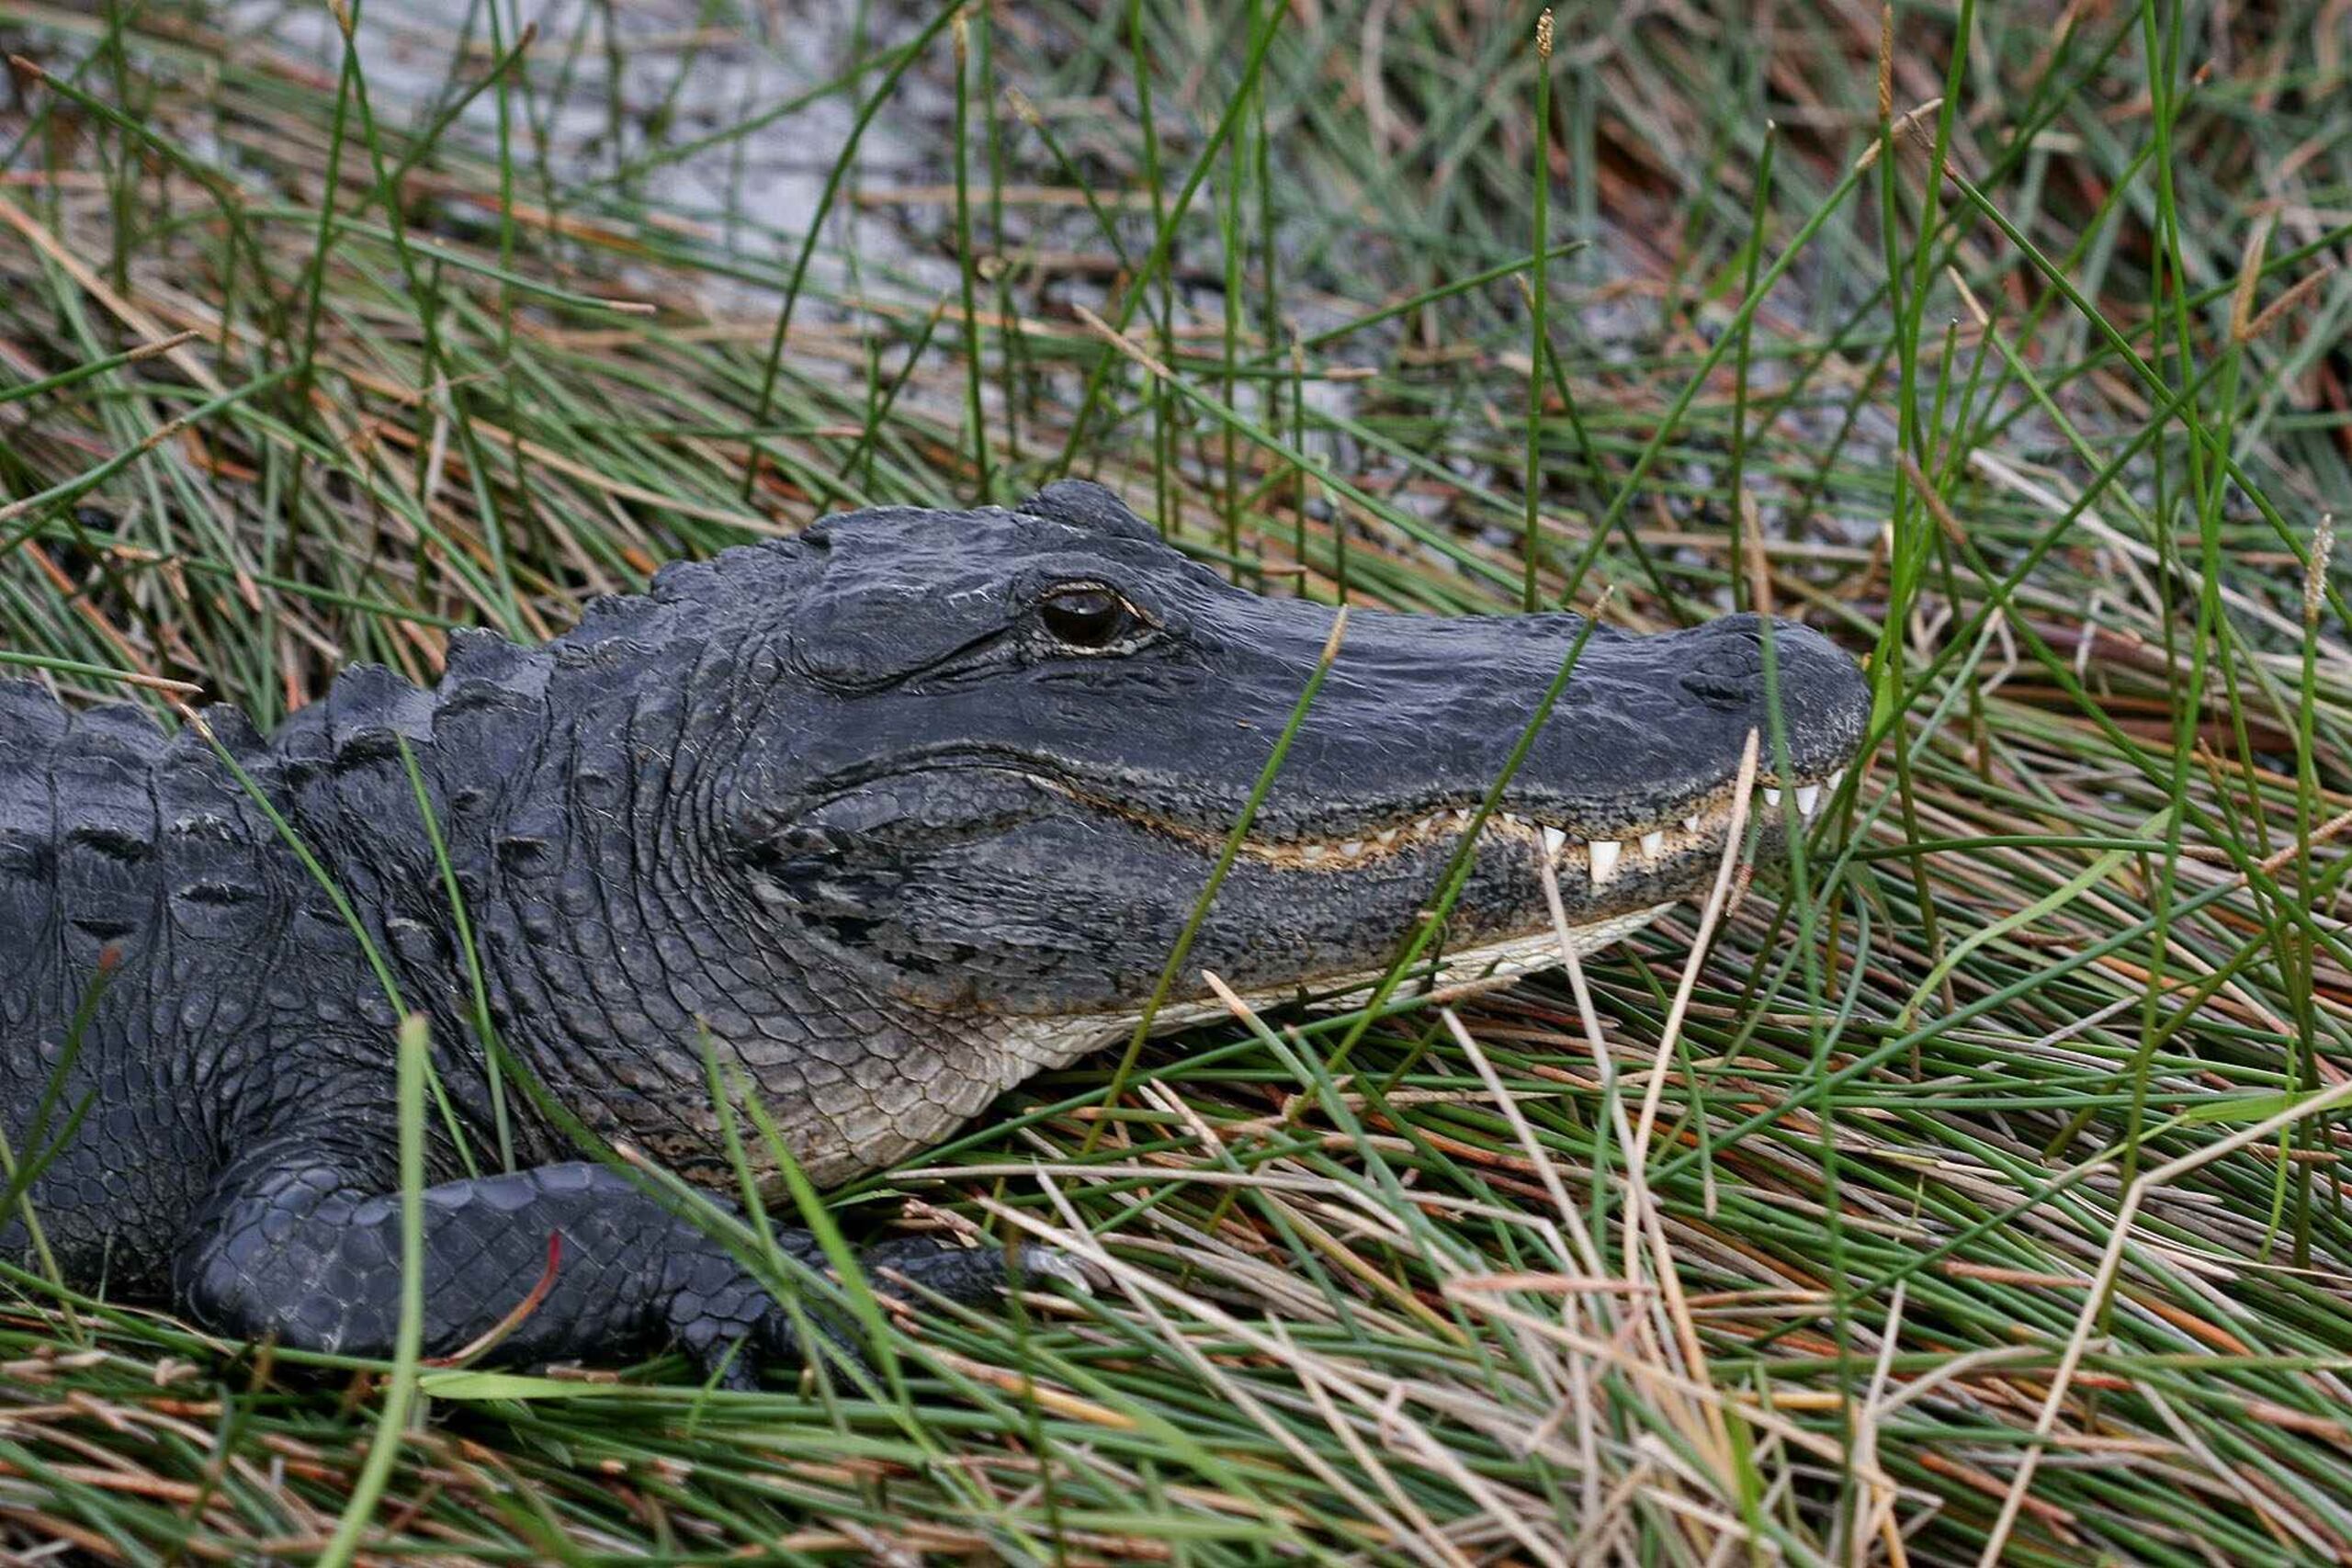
x: 1554, y: 841
x: 1771, y: 795
x: 1808, y: 796
x: 1463, y: 814
x: 1515, y: 818
x: 1690, y: 824
x: 1352, y: 848
x: 1653, y: 844
x: 1387, y: 835
x: 1311, y: 852
x: 1835, y: 779
x: 1604, y: 859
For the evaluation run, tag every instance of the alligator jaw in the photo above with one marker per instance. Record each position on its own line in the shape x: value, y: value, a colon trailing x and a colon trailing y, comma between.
x: 1056, y: 1041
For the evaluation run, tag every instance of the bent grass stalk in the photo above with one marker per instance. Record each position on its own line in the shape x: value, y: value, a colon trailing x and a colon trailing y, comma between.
x: 400, y: 1389
x: 1539, y: 295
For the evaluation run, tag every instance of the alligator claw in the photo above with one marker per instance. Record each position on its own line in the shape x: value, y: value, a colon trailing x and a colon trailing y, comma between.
x: 902, y: 1270
x: 1065, y: 1268
x: 969, y: 1274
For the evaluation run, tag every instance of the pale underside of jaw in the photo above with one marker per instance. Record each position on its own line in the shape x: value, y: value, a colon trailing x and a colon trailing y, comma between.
x: 1043, y: 1043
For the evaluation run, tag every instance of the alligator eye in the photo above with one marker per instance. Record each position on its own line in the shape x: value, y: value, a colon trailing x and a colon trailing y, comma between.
x: 1086, y: 616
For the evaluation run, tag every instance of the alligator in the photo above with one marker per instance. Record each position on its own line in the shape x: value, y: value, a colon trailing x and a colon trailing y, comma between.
x: 876, y: 821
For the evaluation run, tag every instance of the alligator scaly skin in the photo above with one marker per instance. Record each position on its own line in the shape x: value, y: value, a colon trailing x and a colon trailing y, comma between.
x: 229, y: 1091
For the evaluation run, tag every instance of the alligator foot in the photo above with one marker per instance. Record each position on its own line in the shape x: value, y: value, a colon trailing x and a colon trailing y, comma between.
x: 553, y: 1263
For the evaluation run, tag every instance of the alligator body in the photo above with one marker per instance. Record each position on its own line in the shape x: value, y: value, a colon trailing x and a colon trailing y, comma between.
x: 893, y: 814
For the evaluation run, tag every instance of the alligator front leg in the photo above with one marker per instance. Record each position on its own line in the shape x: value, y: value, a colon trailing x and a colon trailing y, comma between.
x: 303, y: 1242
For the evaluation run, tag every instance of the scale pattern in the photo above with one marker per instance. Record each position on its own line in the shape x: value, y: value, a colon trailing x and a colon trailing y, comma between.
x: 197, y: 1048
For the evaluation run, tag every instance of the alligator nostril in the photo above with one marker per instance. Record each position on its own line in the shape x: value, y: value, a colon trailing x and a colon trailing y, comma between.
x: 1721, y: 689
x: 1727, y: 670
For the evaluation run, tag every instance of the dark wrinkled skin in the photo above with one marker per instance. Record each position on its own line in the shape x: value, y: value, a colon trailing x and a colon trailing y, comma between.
x: 865, y: 804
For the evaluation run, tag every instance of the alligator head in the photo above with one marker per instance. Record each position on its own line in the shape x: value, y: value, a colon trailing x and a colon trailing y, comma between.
x: 963, y: 776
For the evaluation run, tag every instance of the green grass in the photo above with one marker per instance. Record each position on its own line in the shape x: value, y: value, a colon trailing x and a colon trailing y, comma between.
x: 1976, y: 1192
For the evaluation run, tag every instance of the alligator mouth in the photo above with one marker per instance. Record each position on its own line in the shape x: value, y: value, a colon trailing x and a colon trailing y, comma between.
x: 1657, y: 866
x: 1365, y: 844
